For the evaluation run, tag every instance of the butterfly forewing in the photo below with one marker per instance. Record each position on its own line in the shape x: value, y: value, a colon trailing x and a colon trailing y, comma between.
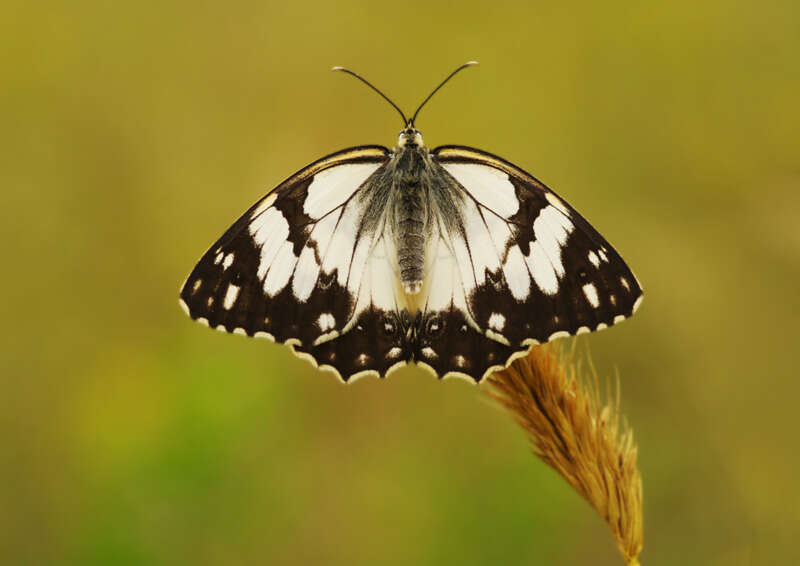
x: 284, y: 270
x: 538, y: 269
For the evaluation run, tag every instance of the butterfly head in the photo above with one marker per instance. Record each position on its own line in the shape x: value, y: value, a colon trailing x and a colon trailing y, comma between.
x: 410, y: 136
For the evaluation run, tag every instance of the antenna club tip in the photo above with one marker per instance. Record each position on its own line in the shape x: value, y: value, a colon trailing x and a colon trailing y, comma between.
x: 470, y: 63
x: 337, y: 68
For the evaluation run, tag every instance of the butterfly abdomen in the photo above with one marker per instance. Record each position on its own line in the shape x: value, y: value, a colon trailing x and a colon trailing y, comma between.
x: 410, y: 215
x: 408, y: 171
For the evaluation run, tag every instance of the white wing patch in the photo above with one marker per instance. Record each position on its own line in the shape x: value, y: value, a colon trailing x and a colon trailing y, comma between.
x: 487, y: 218
x: 269, y: 231
x: 488, y: 242
x: 342, y: 243
x: 497, y: 321
x: 483, y: 254
x: 443, y: 285
x: 377, y: 284
x: 591, y: 294
x: 306, y: 274
x: 544, y: 274
x: 334, y: 234
x: 230, y: 296
x: 515, y: 271
x: 381, y: 280
x: 280, y: 270
x: 518, y: 278
x: 487, y: 185
x: 551, y: 230
x: 332, y: 187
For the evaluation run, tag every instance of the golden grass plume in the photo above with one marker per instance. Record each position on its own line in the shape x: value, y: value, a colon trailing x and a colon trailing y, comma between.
x: 577, y: 435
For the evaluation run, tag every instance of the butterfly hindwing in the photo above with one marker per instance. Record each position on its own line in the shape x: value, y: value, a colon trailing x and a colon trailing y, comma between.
x: 375, y: 339
x: 448, y: 339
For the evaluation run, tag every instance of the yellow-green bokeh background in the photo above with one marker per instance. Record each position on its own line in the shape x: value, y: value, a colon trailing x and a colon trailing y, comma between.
x: 133, y: 134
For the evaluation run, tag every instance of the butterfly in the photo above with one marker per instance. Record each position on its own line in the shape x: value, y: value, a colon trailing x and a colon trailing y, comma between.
x: 369, y: 259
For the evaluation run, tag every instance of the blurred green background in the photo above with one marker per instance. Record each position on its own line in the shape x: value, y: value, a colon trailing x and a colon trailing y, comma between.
x: 133, y: 134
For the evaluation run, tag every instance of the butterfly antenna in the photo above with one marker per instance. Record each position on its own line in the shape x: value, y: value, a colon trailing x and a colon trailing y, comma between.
x: 370, y: 85
x: 450, y: 76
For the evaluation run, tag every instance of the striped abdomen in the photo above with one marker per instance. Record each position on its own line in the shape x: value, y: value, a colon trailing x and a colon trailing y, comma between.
x: 410, y: 215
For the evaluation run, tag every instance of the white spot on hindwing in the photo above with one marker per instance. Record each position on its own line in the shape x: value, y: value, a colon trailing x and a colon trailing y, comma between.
x: 230, y: 296
x: 625, y: 283
x: 428, y: 352
x: 497, y: 321
x: 196, y: 286
x: 326, y: 322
